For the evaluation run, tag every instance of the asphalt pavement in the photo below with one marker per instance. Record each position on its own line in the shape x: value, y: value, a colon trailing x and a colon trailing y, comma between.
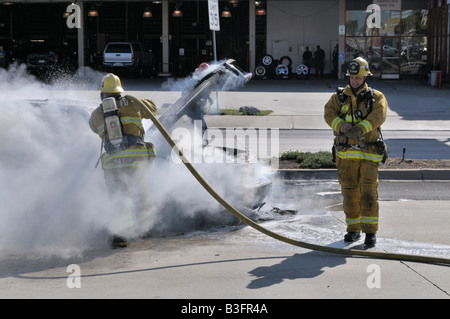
x: 239, y: 265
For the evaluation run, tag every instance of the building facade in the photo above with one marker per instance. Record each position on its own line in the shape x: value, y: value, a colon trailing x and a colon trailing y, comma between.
x: 399, y: 38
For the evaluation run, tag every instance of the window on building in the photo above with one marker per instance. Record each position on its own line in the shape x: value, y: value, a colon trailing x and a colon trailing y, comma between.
x: 406, y: 29
x: 389, y: 22
x: 414, y: 22
x: 413, y: 58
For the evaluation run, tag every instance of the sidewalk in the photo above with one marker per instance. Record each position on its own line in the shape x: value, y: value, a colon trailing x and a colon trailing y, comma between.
x: 383, y: 174
x: 298, y: 105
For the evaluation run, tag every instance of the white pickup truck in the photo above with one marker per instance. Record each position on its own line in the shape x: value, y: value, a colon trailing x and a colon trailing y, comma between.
x: 127, y: 56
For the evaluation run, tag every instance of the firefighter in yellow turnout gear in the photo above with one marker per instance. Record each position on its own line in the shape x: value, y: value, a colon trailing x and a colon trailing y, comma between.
x: 118, y: 122
x: 356, y: 113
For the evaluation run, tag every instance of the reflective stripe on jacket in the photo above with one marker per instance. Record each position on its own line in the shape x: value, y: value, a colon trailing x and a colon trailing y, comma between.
x: 131, y: 115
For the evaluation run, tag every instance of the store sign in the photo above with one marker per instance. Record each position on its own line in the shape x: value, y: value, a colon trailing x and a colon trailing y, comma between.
x: 388, y: 4
x: 374, y: 18
x: 74, y: 19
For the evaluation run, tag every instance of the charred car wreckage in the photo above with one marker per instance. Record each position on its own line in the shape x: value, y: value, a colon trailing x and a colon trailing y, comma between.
x: 188, y: 112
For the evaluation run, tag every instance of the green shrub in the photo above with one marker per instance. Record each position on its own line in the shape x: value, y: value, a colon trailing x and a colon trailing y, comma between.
x: 290, y: 156
x: 310, y: 160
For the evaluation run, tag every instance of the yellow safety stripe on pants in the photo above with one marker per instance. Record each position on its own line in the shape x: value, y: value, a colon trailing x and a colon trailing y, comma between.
x: 369, y: 220
x: 123, y: 165
x: 352, y: 221
x: 126, y: 158
x: 358, y: 154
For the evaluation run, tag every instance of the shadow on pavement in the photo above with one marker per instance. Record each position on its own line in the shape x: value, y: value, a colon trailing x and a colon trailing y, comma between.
x: 308, y: 265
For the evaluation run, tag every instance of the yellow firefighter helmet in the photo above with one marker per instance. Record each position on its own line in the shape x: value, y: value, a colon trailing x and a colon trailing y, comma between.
x: 358, y: 67
x: 111, y: 84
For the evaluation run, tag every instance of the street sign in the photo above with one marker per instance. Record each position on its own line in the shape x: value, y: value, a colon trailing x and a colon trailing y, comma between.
x: 213, y: 11
x: 214, y: 25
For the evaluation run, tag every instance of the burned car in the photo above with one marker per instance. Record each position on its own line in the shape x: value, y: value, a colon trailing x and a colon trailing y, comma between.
x: 250, y: 188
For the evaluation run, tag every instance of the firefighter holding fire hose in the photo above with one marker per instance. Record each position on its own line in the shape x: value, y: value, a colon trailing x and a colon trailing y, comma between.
x: 118, y: 122
x: 356, y: 113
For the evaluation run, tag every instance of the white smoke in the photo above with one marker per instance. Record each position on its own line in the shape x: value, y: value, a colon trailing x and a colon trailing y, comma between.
x: 230, y: 83
x: 54, y: 201
x: 48, y: 184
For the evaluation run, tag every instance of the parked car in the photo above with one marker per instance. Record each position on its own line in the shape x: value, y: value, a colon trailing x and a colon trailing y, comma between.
x: 127, y: 56
x: 42, y: 61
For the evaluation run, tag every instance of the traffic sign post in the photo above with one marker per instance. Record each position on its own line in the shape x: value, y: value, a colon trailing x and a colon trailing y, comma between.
x: 214, y: 25
x: 214, y: 22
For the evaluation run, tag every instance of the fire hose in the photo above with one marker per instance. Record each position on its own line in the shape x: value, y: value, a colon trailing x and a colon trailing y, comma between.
x: 251, y: 223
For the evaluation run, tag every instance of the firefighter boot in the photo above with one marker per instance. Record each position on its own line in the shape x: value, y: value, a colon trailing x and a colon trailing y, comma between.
x: 371, y: 240
x: 352, y: 236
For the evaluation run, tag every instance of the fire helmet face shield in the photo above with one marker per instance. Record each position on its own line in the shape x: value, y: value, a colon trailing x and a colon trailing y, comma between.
x: 111, y: 84
x: 358, y: 67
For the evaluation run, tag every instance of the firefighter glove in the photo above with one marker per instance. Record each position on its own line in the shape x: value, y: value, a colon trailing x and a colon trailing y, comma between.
x: 345, y: 127
x: 354, y: 132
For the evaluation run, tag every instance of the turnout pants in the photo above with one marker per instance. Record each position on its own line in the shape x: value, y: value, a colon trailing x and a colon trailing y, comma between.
x: 359, y: 185
x: 131, y: 200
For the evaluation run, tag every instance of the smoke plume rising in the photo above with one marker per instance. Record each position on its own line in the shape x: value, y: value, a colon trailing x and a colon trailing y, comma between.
x: 54, y: 200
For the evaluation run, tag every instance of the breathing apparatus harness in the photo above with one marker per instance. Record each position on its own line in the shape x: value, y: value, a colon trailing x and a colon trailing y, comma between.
x: 115, y: 139
x: 341, y: 141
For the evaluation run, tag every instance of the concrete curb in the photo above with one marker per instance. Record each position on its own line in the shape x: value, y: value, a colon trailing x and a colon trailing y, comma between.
x: 384, y: 174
